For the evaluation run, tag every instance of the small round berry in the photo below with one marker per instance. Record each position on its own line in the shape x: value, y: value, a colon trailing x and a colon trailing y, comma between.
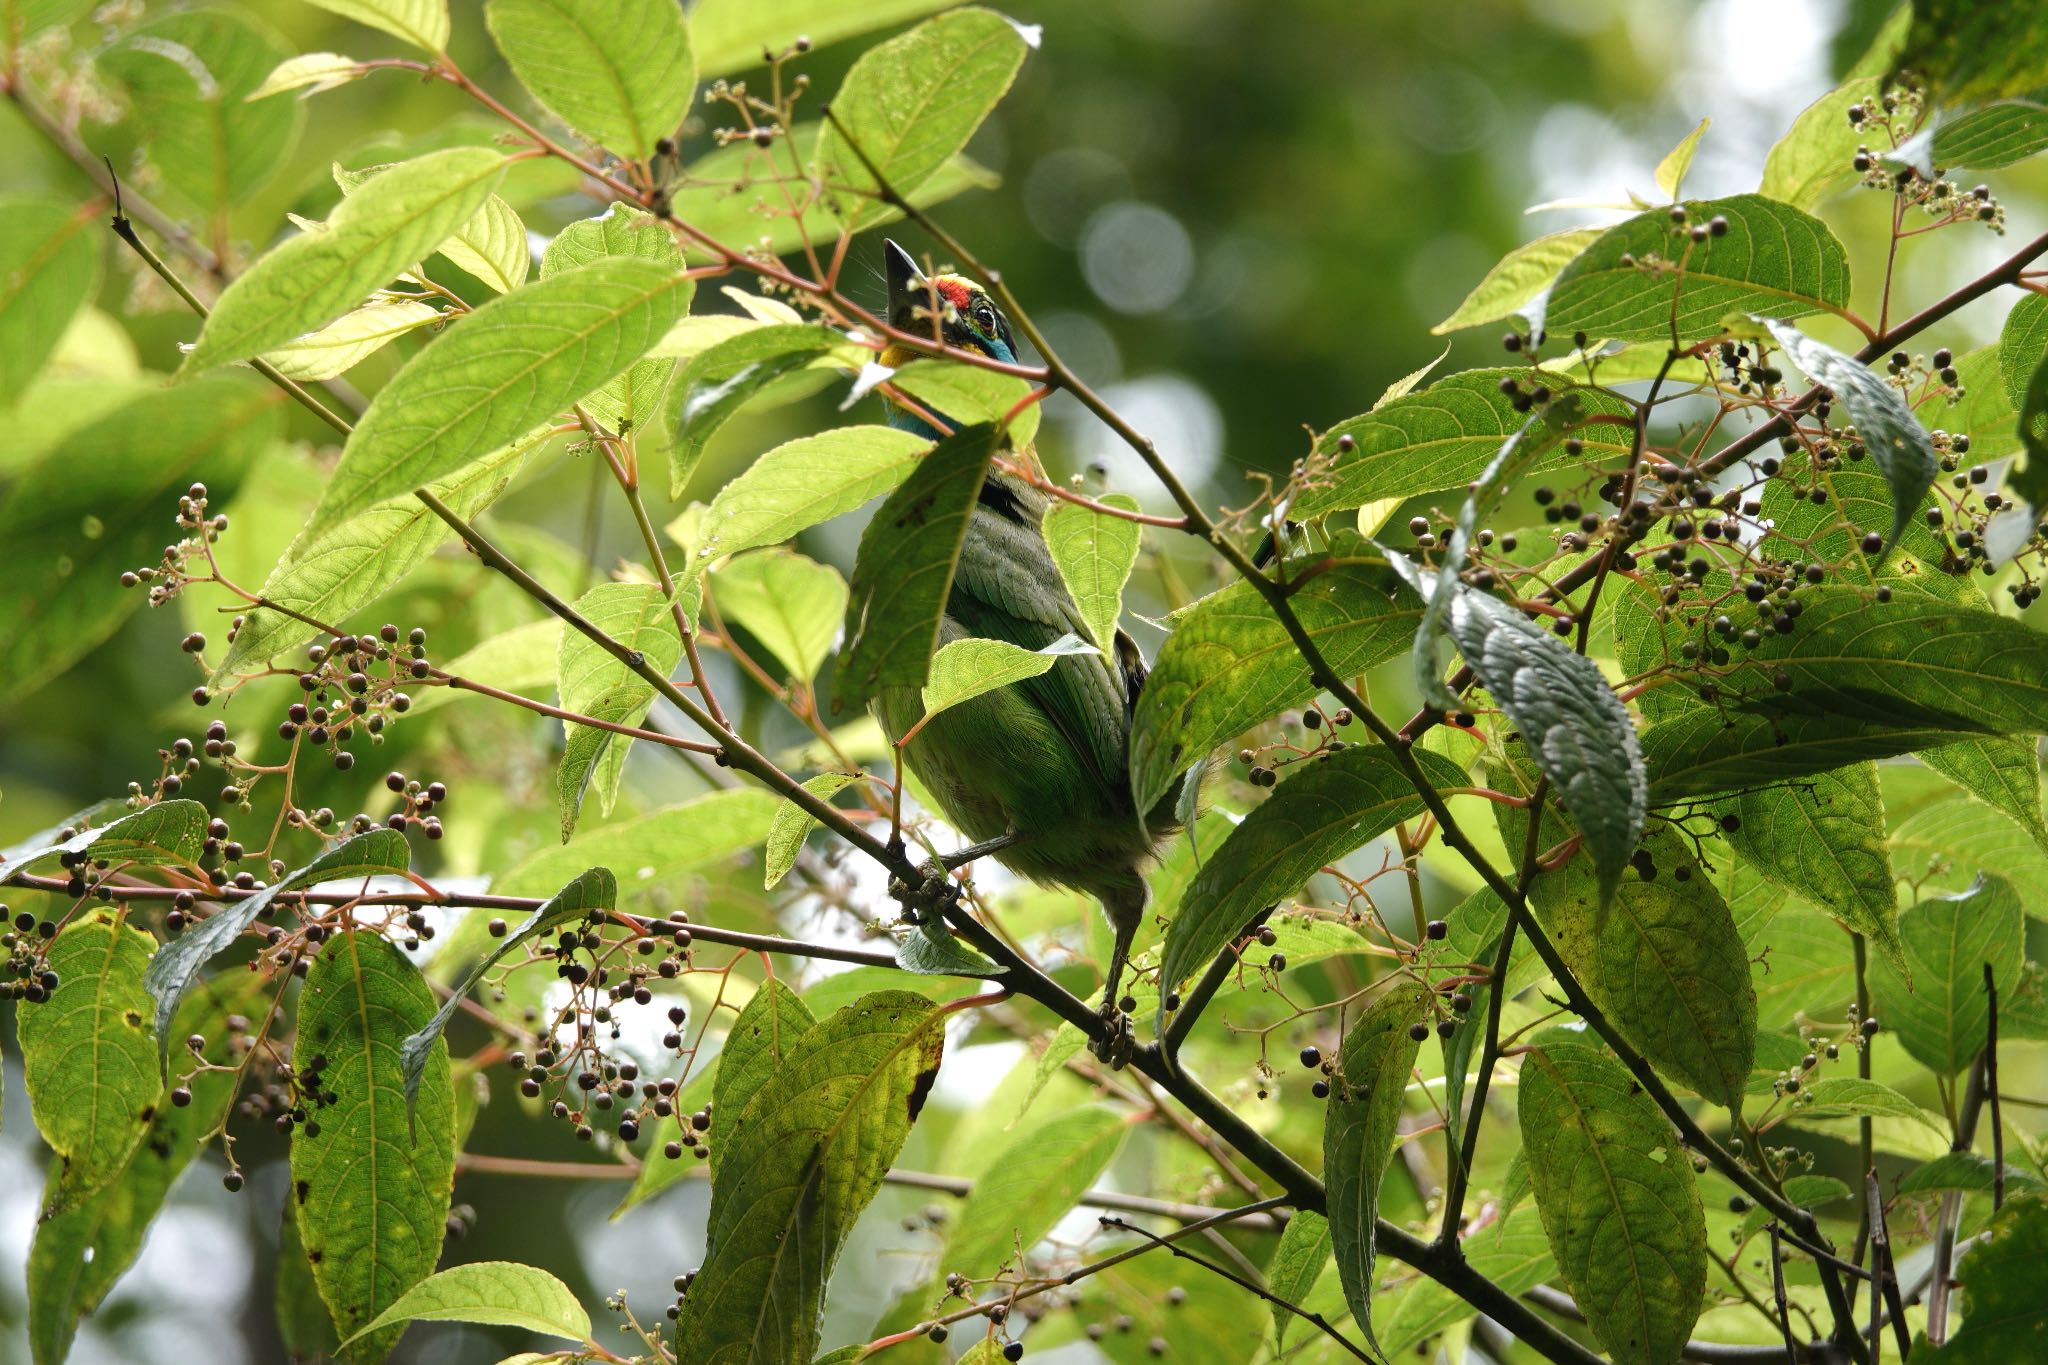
x: 1437, y: 929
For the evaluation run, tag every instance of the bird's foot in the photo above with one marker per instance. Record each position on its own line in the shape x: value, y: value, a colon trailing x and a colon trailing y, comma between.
x: 983, y: 849
x: 1113, y: 1047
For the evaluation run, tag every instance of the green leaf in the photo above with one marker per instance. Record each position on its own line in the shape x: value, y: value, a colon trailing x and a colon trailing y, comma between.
x: 495, y: 1293
x: 791, y: 604
x: 517, y: 660
x: 80, y: 1254
x: 1616, y: 1194
x: 370, y: 1189
x: 1315, y: 817
x: 910, y: 104
x: 1773, y: 259
x: 805, y: 1158
x: 397, y: 217
x: 762, y: 1041
x: 1358, y: 1135
x: 1513, y: 1253
x: 499, y: 373
x: 49, y: 269
x: 1812, y: 160
x: 620, y: 72
x: 380, y: 852
x: 732, y: 34
x: 1965, y: 52
x: 188, y: 76
x: 1297, y: 1262
x: 1937, y: 1008
x: 793, y: 824
x: 2022, y: 345
x: 101, y: 502
x: 806, y: 481
x: 1095, y: 554
x: 311, y: 72
x: 1700, y: 752
x: 423, y: 23
x: 593, y: 682
x: 2004, y: 1312
x: 1670, y: 172
x: 657, y: 1175
x: 1946, y: 843
x: 1579, y: 733
x: 1029, y: 1187
x: 24, y: 19
x: 654, y: 847
x: 1443, y: 437
x: 1230, y: 665
x: 1970, y: 1172
x: 932, y: 949
x: 88, y: 1056
x: 719, y: 382
x: 2005, y: 774
x: 586, y: 898
x: 966, y: 669
x: 333, y: 574
x: 1891, y: 434
x: 2030, y: 480
x: 967, y: 394
x: 492, y: 246
x: 1517, y: 278
x: 351, y: 339
x: 163, y: 834
x: 1853, y: 1097
x: 1822, y: 838
x: 1992, y: 138
x: 903, y: 571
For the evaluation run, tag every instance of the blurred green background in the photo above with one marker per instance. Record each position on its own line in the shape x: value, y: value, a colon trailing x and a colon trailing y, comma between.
x: 1236, y: 219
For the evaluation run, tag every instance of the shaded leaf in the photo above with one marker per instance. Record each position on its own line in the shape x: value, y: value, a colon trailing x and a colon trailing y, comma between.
x: 1094, y: 553
x: 1029, y: 1187
x: 966, y: 394
x: 1970, y: 1172
x: 1992, y: 138
x: 732, y: 34
x: 593, y: 682
x: 804, y: 482
x: 719, y: 382
x: 517, y: 660
x: 1854, y: 1097
x: 1946, y: 843
x: 2005, y: 1315
x: 49, y: 268
x: 761, y: 1042
x: 1512, y: 1252
x: 620, y: 72
x: 2005, y: 774
x: 1938, y: 1009
x: 1965, y: 52
x: 932, y: 949
x: 793, y: 824
x: 2022, y: 345
x: 496, y: 1293
x: 1299, y: 1259
x: 791, y: 604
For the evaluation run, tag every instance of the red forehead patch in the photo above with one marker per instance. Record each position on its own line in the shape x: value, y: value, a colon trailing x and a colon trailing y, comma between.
x: 951, y: 289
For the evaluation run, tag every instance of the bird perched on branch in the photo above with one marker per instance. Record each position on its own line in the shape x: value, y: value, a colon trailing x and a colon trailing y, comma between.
x: 1040, y: 767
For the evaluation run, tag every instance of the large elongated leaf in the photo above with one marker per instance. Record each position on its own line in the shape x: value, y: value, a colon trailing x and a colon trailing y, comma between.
x: 1095, y: 554
x: 1358, y: 1135
x: 498, y: 1293
x: 1616, y: 1194
x: 102, y: 502
x: 1901, y: 447
x: 911, y: 103
x: 1939, y: 1011
x: 369, y: 1189
x: 762, y: 1041
x: 498, y: 374
x: 731, y: 35
x: 594, y: 683
x: 166, y: 833
x: 1628, y: 285
x: 1029, y: 1187
x: 394, y: 220
x: 1443, y: 437
x: 380, y: 852
x: 804, y: 482
x: 619, y: 72
x: 1331, y: 807
x: 804, y: 1159
x: 904, y: 570
x: 423, y: 23
x: 89, y: 1056
x: 1229, y: 664
x: 655, y: 846
x: 1823, y: 839
x: 49, y: 267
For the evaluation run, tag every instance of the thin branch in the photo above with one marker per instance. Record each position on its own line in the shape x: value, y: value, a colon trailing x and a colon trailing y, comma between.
x: 1991, y: 1091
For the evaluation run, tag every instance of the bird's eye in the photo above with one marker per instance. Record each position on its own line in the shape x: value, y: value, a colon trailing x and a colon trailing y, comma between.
x: 986, y: 316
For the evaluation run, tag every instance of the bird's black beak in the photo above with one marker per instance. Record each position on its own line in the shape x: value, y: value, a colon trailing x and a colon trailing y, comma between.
x: 906, y: 281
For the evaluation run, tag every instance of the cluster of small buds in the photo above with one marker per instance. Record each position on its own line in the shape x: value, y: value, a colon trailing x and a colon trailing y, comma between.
x: 172, y: 571
x: 351, y: 681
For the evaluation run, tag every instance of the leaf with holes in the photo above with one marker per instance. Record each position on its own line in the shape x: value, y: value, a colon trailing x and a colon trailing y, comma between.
x: 620, y: 72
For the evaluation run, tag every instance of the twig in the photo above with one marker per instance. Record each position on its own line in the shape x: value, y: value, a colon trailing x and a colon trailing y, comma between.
x: 1991, y: 1090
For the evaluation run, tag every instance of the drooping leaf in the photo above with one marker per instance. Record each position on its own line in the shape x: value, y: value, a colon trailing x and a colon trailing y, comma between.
x: 762, y: 1041
x: 423, y: 23
x: 966, y: 669
x: 593, y: 682
x: 499, y: 373
x: 370, y: 1185
x: 2005, y: 774
x: 1297, y: 1262
x: 804, y: 482
x: 1670, y: 172
x: 101, y: 502
x: 966, y: 394
x: 351, y: 339
x: 933, y: 949
x: 395, y: 219
x: 586, y: 897
x: 496, y: 1293
x: 88, y: 1055
x: 904, y: 570
x: 188, y: 75
x: 1328, y: 809
x: 162, y: 834
x: 1029, y: 1187
x: 620, y: 72
x: 719, y: 382
x: 1854, y: 1097
x: 1890, y: 433
x: 1628, y: 286
x: 1442, y: 438
x: 1579, y: 733
x: 380, y: 852
x: 1812, y: 161
x: 1094, y: 553
x: 911, y: 103
x: 49, y: 268
x: 731, y: 35
x: 1616, y: 1194
x: 1230, y: 665
x: 1938, y: 1009
x: 1964, y: 52
x: 804, y: 1159
x: 791, y: 604
x: 1823, y: 839
x: 1358, y: 1135
x: 654, y: 846
x: 331, y: 575
x: 793, y: 824
x: 1970, y: 1172
x: 2004, y: 1312
x: 1945, y: 844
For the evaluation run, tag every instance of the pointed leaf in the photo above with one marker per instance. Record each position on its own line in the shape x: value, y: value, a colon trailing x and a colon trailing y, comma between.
x: 423, y: 23
x: 1521, y: 275
x: 1095, y: 554
x: 965, y: 669
x: 1854, y: 1097
x: 1028, y: 1187
x: 49, y: 268
x: 495, y: 1293
x: 653, y: 847
x: 2005, y: 774
x: 931, y: 949
x: 762, y: 1041
x: 518, y: 660
x: 793, y: 824
x: 351, y: 339
x: 1296, y: 1265
x: 1671, y: 170
x: 719, y: 382
x: 593, y: 682
x: 166, y: 833
x: 1616, y: 1193
x: 791, y: 604
x: 1938, y: 1010
x: 619, y: 72
x: 2005, y: 1315
x: 731, y: 35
